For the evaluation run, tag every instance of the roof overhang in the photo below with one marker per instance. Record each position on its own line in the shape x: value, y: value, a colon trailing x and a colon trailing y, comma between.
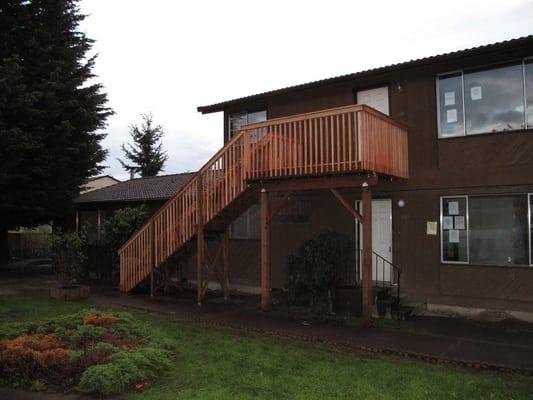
x: 474, y: 51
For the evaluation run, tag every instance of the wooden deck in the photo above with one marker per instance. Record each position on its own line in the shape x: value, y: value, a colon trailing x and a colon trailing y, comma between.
x: 346, y: 140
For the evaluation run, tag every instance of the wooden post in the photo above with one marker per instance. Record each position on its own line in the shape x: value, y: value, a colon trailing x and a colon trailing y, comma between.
x: 367, y: 255
x: 200, y: 243
x: 265, y: 253
x: 225, y: 263
x: 152, y: 258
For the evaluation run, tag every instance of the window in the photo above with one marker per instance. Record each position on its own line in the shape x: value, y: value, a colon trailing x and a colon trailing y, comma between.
x: 377, y: 98
x: 486, y: 230
x: 485, y: 101
x: 89, y: 224
x: 498, y: 230
x: 528, y: 72
x: 247, y: 225
x: 454, y: 233
x: 451, y: 106
x: 236, y: 121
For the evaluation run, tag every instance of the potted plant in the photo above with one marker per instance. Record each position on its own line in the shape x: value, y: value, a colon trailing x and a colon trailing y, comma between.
x: 68, y: 258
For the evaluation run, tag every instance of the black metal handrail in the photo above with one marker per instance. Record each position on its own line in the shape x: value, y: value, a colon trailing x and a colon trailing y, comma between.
x: 385, y: 274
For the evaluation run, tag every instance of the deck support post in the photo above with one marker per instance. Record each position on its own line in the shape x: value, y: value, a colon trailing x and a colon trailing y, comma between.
x: 225, y: 264
x: 266, y: 300
x: 152, y: 259
x: 366, y: 197
x: 200, y: 242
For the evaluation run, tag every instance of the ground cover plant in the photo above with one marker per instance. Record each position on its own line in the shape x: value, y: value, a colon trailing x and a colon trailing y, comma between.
x: 209, y: 364
x: 91, y: 351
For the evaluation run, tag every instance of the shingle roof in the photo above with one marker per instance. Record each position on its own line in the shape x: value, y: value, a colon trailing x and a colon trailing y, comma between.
x: 522, y: 41
x: 141, y: 189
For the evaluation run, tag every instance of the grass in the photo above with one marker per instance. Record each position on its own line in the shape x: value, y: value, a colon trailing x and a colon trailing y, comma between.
x: 216, y: 365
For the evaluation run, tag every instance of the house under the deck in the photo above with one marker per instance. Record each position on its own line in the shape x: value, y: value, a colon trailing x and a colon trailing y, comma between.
x: 349, y: 147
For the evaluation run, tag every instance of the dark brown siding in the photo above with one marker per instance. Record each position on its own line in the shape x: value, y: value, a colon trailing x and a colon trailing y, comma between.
x: 493, y: 163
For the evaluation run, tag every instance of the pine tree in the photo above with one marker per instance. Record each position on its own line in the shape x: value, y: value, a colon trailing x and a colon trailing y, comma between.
x: 50, y: 114
x: 146, y: 154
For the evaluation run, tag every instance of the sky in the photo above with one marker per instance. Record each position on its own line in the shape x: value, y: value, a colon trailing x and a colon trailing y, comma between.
x: 166, y: 57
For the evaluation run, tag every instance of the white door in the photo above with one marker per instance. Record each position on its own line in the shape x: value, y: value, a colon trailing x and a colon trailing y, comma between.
x: 381, y: 238
x: 377, y: 98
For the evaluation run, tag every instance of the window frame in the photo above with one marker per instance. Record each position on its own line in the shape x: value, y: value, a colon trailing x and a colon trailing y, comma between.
x: 467, y: 262
x: 520, y: 61
x: 247, y: 112
x: 528, y: 195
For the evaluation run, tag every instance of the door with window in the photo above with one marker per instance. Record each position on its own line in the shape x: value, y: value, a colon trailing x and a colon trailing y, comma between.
x: 377, y: 98
x: 381, y: 238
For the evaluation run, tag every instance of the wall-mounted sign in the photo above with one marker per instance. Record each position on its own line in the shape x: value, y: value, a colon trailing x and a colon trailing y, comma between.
x: 431, y: 228
x: 453, y: 208
x: 453, y: 236
x: 476, y: 93
x: 449, y: 98
x: 447, y: 223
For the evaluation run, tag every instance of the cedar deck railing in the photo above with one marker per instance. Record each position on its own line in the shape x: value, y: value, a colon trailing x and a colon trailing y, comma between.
x: 337, y: 141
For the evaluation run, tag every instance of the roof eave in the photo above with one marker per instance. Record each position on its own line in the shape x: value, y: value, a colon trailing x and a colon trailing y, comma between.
x: 417, y: 63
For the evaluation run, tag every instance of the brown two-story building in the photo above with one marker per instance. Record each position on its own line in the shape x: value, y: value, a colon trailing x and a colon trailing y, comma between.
x: 444, y: 149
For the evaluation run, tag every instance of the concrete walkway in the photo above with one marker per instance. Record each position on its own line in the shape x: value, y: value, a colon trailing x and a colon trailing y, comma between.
x: 442, y: 340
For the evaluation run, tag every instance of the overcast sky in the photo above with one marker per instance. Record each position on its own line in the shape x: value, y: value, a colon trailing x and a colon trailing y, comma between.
x: 167, y: 57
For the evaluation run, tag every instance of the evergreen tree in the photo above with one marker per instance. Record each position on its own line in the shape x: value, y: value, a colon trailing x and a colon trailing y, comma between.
x: 146, y: 154
x: 50, y: 114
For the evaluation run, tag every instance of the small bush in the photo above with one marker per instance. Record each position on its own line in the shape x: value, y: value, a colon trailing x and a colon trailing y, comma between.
x: 86, y: 334
x: 124, y: 370
x: 69, y: 256
x: 28, y: 358
x: 119, y: 228
x: 100, y: 319
x: 104, y: 379
x: 314, y: 272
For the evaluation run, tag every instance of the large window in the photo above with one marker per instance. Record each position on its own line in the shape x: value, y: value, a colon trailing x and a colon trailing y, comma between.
x: 237, y: 120
x: 247, y: 225
x: 486, y: 230
x: 484, y: 101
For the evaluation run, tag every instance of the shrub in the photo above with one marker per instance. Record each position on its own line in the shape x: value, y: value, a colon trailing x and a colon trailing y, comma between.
x: 103, y: 379
x: 69, y: 255
x: 101, y: 352
x: 119, y: 228
x: 28, y: 358
x: 124, y: 370
x: 85, y: 334
x: 99, y: 319
x: 317, y: 268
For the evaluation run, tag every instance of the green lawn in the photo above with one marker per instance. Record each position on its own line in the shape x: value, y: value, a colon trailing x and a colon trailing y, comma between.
x: 216, y: 365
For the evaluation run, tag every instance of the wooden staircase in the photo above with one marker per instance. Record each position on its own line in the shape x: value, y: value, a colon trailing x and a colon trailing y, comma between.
x: 345, y: 140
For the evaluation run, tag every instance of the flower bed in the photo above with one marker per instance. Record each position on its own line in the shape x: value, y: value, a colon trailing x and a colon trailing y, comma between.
x: 90, y: 351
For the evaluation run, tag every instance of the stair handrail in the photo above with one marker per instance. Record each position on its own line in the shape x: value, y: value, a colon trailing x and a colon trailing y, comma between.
x: 193, y: 179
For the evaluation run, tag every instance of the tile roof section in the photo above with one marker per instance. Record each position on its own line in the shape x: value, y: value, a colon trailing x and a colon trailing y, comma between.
x: 140, y: 189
